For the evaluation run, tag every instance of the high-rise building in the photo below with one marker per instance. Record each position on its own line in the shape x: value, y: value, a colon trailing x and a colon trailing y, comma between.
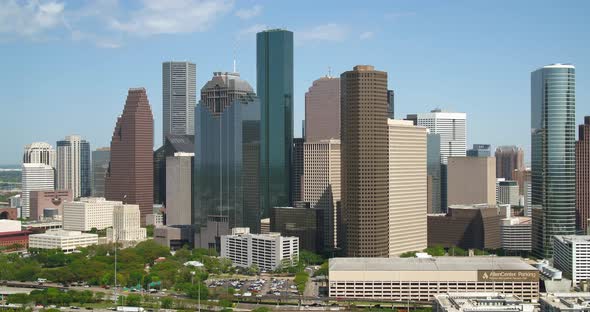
x: 172, y: 144
x: 302, y: 222
x: 365, y: 162
x: 508, y: 159
x: 274, y: 85
x: 73, y: 166
x: 88, y: 213
x: 226, y: 159
x: 480, y: 150
x: 322, y: 110
x: 179, y: 97
x: 521, y: 176
x: 100, y: 165
x: 553, y: 138
x: 35, y: 177
x: 507, y: 193
x: 130, y: 173
x: 472, y: 180
x: 390, y: 104
x: 179, y: 188
x: 433, y: 168
x: 126, y: 224
x: 297, y: 170
x: 39, y: 153
x: 572, y: 256
x: 407, y: 187
x: 452, y: 128
x: 321, y: 184
x: 583, y: 175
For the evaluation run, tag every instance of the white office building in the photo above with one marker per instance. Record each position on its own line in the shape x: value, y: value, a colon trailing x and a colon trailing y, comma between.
x: 126, y: 224
x: 480, y: 301
x: 507, y: 192
x: 516, y: 233
x: 571, y: 255
x: 10, y: 226
x: 39, y: 153
x: 564, y: 302
x: 66, y: 241
x: 35, y: 177
x: 452, y: 128
x: 179, y: 98
x: 15, y: 201
x: 88, y: 213
x: 267, y: 251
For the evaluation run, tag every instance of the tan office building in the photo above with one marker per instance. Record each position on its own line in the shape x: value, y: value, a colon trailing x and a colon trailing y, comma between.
x: 321, y: 183
x: 365, y: 181
x: 407, y: 187
x: 421, y: 279
x: 471, y: 180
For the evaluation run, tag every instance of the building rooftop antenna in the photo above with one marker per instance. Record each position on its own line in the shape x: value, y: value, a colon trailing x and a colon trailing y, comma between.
x: 235, y: 69
x: 329, y: 72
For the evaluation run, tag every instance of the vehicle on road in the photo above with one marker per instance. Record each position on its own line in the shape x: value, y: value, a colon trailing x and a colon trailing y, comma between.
x: 130, y: 309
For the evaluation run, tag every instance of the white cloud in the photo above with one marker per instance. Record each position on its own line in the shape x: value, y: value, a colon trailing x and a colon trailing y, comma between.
x: 30, y: 18
x: 366, y: 35
x: 172, y: 16
x: 327, y: 32
x: 249, y: 13
x: 248, y: 32
x: 397, y: 15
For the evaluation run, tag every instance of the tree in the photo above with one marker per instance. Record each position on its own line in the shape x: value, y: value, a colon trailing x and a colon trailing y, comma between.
x: 149, y: 229
x: 99, y: 296
x: 193, y: 291
x: 300, y: 281
x: 166, y: 303
x: 310, y: 258
x: 436, y: 251
x: 133, y: 300
x: 253, y: 269
x: 408, y: 254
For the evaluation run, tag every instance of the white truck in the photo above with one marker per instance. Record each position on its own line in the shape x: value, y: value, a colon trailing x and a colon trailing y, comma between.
x: 130, y: 309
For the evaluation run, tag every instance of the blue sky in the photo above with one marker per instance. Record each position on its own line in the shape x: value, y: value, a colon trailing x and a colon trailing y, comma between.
x: 65, y: 66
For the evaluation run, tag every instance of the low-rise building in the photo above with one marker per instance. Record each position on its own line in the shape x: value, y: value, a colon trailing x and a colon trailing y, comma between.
x: 10, y: 226
x: 560, y: 302
x: 42, y: 202
x: 8, y: 213
x: 480, y: 301
x: 66, y: 241
x: 516, y: 233
x: 420, y: 279
x: 88, y: 213
x: 175, y: 236
x: 267, y: 251
x: 12, y: 237
x: 571, y: 255
x: 155, y: 219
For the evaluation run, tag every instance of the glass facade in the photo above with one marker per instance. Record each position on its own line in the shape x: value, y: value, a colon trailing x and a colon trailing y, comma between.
x: 553, y: 155
x: 433, y: 168
x: 274, y: 66
x: 226, y: 158
x: 85, y: 184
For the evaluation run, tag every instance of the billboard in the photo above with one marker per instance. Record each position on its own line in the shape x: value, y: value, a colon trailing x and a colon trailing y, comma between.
x: 507, y: 276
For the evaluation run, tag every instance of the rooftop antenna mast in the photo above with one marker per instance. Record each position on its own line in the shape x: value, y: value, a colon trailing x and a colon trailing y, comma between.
x: 329, y: 72
x: 235, y: 69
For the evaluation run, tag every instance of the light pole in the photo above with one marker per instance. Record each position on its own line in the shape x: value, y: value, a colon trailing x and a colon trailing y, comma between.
x: 198, y: 289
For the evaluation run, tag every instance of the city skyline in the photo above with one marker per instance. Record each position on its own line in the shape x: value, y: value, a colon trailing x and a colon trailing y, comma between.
x: 476, y: 86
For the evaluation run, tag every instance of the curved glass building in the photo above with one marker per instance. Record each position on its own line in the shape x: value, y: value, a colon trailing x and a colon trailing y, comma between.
x: 227, y: 147
x: 553, y: 139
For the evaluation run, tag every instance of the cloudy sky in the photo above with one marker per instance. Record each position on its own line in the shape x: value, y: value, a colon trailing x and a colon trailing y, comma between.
x: 65, y: 66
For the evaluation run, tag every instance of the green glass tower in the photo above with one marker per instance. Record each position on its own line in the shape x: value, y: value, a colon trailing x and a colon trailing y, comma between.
x: 553, y: 138
x: 274, y: 86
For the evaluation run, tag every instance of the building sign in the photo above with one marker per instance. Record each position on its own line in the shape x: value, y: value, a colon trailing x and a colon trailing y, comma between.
x: 507, y: 276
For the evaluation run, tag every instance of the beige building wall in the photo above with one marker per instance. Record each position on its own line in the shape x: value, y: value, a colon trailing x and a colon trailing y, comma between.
x: 471, y: 180
x: 321, y: 183
x: 407, y: 187
x: 179, y: 188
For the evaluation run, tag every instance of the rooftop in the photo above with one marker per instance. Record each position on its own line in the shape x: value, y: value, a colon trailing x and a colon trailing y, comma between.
x: 570, y: 301
x: 482, y: 301
x: 430, y: 264
x: 574, y: 238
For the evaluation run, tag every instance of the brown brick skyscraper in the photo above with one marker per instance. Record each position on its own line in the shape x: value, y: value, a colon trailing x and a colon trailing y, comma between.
x: 365, y: 162
x: 583, y: 175
x: 131, y: 169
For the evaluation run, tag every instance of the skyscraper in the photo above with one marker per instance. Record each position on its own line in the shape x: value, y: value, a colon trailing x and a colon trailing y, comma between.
x: 39, y: 153
x: 508, y: 159
x: 583, y: 175
x: 73, y: 166
x: 322, y: 110
x: 480, y: 150
x: 179, y: 188
x: 452, y: 128
x: 321, y: 184
x: 179, y: 97
x: 130, y: 173
x: 407, y: 187
x: 391, y: 103
x: 172, y: 144
x: 365, y: 162
x: 471, y: 180
x: 100, y: 165
x: 35, y: 177
x: 226, y: 159
x: 297, y: 170
x: 553, y: 137
x: 274, y: 75
x: 433, y: 168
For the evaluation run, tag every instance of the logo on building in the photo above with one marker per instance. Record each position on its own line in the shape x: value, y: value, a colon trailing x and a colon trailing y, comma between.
x: 507, y: 276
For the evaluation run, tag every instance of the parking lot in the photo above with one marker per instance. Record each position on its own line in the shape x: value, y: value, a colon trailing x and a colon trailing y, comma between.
x: 263, y: 286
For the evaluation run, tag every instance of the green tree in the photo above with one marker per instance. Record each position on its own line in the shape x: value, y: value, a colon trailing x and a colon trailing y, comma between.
x: 408, y: 254
x: 99, y: 296
x: 166, y: 303
x: 193, y: 291
x: 300, y: 281
x: 253, y: 269
x: 436, y: 251
x: 133, y: 300
x: 149, y: 229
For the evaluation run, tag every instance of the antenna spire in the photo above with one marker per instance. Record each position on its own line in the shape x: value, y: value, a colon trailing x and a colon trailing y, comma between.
x: 235, y: 69
x: 329, y: 72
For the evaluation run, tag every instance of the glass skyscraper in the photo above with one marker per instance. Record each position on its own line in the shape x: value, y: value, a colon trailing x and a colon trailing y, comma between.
x: 274, y: 74
x: 226, y: 159
x: 553, y: 141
